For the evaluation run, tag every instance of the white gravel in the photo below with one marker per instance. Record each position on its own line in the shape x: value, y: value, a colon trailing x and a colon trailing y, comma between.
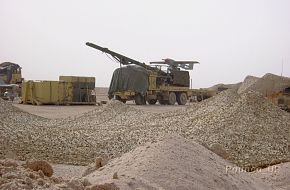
x: 245, y: 129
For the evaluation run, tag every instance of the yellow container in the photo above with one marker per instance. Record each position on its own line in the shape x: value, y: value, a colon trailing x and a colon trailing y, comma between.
x: 77, y: 79
x: 46, y: 92
x: 69, y: 90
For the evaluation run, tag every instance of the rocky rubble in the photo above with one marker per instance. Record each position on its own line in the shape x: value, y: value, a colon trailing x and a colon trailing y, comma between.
x: 36, y: 175
x: 17, y: 176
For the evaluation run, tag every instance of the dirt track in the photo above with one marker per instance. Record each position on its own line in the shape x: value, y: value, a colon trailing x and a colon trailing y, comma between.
x: 53, y: 112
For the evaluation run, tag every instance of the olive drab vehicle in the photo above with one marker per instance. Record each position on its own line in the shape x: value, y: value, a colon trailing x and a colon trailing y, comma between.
x: 10, y: 80
x: 10, y: 73
x: 150, y: 83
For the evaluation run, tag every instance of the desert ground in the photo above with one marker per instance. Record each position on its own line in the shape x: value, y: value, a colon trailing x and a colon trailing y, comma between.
x: 55, y: 112
x: 59, y: 111
x: 237, y: 139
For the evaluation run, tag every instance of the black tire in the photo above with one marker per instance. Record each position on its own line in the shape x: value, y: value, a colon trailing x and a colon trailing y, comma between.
x: 199, y: 98
x: 120, y: 99
x: 181, y: 98
x: 172, y: 98
x: 140, y: 100
x: 152, y: 101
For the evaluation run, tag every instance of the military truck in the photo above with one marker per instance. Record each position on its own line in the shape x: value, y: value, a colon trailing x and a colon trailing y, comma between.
x: 10, y: 73
x: 10, y: 80
x: 150, y: 83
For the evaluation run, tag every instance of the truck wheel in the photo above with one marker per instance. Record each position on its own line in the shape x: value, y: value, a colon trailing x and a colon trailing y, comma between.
x: 120, y: 99
x: 171, y: 98
x: 152, y: 101
x: 199, y: 98
x: 139, y: 100
x: 181, y: 98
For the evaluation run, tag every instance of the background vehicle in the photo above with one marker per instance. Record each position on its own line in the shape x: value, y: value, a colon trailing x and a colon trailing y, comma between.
x: 141, y: 82
x: 10, y: 80
x: 10, y: 73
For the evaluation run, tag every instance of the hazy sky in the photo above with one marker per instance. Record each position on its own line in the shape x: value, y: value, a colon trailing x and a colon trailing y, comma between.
x: 230, y: 38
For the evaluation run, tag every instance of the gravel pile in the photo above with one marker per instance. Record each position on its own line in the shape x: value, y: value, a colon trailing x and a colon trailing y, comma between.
x: 73, y: 140
x: 247, y: 83
x: 15, y: 116
x: 245, y: 129
x: 266, y: 85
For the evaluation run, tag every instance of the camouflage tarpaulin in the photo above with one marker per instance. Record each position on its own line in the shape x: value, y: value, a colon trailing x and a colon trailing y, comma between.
x: 134, y: 78
x: 1, y: 82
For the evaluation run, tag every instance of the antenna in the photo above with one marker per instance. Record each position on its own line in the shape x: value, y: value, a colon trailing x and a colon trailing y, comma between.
x: 282, y: 67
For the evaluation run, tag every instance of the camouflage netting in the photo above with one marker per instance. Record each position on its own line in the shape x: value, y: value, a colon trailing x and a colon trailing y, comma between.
x: 2, y: 82
x: 132, y: 78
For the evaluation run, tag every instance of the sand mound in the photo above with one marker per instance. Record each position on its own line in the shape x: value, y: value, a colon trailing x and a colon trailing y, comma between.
x: 276, y: 176
x: 173, y: 163
x: 266, y: 85
x: 105, y: 186
x: 99, y: 162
